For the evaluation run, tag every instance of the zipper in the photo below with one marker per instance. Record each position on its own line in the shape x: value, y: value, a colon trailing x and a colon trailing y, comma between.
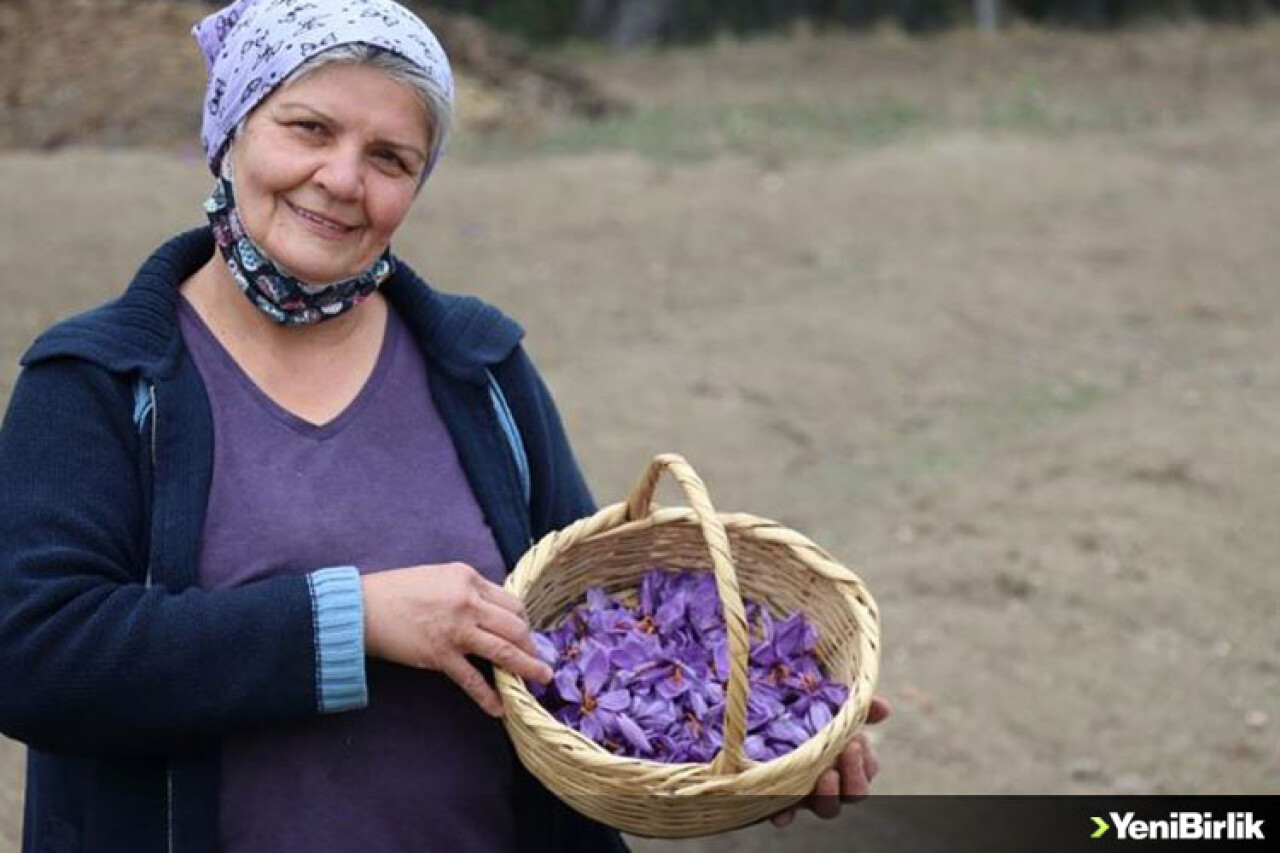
x: 151, y: 394
x: 168, y: 806
x: 150, y: 409
x: 515, y: 442
x: 168, y: 765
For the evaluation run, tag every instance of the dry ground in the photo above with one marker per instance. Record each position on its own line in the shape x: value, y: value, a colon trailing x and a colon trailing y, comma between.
x: 995, y: 322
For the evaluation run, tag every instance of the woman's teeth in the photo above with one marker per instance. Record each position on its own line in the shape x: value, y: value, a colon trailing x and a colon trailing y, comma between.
x: 320, y: 220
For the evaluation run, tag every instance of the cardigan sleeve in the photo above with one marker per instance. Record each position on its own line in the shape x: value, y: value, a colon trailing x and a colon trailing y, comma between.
x: 94, y: 659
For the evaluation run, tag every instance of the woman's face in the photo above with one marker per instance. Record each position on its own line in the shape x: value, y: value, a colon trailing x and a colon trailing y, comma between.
x: 327, y: 167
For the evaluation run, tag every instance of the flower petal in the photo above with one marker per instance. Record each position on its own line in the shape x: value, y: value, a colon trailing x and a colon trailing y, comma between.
x: 597, y: 599
x: 614, y: 700
x: 672, y: 686
x: 755, y: 748
x: 787, y: 730
x: 595, y: 668
x: 635, y: 736
x: 697, y: 702
x: 545, y: 647
x: 819, y: 716
x: 788, y: 638
x: 671, y: 613
x: 590, y: 726
x: 567, y: 684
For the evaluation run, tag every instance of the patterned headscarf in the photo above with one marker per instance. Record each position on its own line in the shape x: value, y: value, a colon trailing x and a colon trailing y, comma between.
x: 251, y: 46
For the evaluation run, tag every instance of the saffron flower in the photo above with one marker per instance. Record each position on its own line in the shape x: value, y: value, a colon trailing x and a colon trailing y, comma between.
x: 644, y: 674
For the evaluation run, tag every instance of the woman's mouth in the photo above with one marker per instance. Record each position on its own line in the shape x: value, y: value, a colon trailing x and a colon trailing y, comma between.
x: 322, y: 225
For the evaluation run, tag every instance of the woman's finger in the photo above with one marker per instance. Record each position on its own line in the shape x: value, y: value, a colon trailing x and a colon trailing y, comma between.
x: 878, y: 711
x: 825, y: 799
x: 783, y: 818
x: 509, y: 656
x: 849, y: 762
x: 854, y: 784
x: 473, y: 684
x: 507, y: 625
x: 496, y: 594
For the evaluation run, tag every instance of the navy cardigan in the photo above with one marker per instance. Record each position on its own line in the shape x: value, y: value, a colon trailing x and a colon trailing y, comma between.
x: 119, y: 672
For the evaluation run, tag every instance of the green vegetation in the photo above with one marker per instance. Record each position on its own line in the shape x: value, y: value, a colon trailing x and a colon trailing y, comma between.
x: 687, y: 132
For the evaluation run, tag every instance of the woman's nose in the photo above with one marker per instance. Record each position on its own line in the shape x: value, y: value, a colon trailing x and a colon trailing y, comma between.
x: 341, y: 174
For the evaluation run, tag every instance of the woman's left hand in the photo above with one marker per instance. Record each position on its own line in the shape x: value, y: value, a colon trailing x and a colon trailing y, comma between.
x: 849, y: 780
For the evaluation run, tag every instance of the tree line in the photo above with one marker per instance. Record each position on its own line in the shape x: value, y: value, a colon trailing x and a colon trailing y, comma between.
x: 636, y: 21
x: 627, y: 22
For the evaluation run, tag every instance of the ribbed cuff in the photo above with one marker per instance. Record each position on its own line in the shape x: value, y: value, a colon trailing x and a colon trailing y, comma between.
x: 338, y: 618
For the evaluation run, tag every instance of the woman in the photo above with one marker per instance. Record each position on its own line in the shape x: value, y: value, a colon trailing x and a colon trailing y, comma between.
x: 260, y: 506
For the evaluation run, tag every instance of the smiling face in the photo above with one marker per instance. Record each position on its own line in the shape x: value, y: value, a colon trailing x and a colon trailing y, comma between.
x: 327, y: 168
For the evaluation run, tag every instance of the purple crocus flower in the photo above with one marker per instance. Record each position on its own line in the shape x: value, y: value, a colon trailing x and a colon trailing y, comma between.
x: 664, y: 748
x: 644, y: 674
x: 566, y: 640
x: 810, y: 686
x: 676, y: 679
x: 590, y: 710
x: 633, y: 653
x: 781, y: 642
x: 655, y: 714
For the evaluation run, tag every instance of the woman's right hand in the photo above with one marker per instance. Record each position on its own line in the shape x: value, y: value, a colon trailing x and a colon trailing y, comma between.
x: 433, y: 616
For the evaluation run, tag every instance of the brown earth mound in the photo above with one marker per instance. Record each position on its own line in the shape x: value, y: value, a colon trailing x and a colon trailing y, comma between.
x: 120, y: 73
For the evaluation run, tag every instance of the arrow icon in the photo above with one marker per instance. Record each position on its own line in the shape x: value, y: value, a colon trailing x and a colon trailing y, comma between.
x: 1103, y: 826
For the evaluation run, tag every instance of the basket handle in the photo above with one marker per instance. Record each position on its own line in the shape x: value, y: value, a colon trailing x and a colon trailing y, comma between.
x: 731, y: 757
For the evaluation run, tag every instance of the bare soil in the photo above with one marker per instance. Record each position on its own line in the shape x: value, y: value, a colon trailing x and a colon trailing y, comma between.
x: 128, y: 73
x: 1013, y: 357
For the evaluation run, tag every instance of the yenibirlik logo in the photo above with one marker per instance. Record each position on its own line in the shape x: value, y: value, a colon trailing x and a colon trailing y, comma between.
x: 1183, y: 826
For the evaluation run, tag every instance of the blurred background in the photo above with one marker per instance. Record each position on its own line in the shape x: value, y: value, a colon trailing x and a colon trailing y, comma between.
x: 981, y: 296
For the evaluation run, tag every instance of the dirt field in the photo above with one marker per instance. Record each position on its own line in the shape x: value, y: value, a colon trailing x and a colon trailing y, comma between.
x: 995, y: 322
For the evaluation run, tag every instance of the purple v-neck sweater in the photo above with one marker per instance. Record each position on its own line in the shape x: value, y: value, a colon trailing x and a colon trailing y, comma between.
x: 380, y: 486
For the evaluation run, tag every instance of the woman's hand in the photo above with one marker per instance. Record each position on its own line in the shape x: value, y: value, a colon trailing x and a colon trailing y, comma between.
x: 432, y: 617
x: 849, y: 780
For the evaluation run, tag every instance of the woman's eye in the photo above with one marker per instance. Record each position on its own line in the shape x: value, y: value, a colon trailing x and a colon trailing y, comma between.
x: 392, y: 159
x: 309, y: 128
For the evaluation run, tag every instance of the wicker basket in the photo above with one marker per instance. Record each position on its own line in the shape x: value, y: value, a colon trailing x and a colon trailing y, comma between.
x: 770, y: 563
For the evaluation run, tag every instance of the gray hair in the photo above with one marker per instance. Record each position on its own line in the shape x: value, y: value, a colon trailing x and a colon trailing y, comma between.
x: 437, y: 102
